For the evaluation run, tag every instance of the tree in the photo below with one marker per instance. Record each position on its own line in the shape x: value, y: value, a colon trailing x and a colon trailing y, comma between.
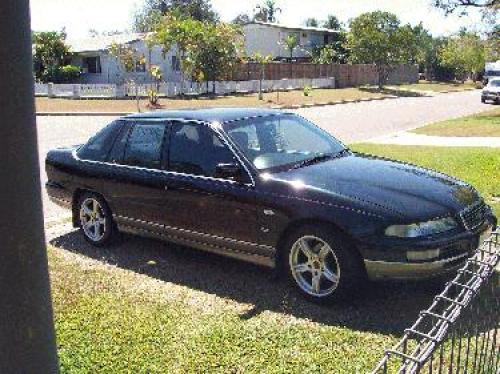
x: 465, y: 53
x: 377, y: 38
x: 214, y: 55
x: 291, y: 42
x: 333, y: 23
x: 450, y: 6
x: 127, y: 58
x: 493, y: 44
x: 241, y: 19
x: 424, y: 53
x: 267, y: 12
x: 333, y: 53
x: 152, y: 12
x: 49, y: 51
x: 50, y: 56
x: 207, y: 51
x: 262, y: 60
x: 312, y: 22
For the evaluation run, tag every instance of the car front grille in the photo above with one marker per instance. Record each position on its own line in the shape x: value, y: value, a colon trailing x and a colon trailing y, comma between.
x: 474, y: 216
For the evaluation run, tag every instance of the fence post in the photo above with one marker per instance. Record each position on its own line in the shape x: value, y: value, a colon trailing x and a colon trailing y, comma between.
x: 119, y: 90
x: 76, y: 91
x: 50, y: 90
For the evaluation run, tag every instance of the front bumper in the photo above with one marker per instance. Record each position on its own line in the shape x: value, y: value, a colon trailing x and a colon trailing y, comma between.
x: 490, y: 96
x: 379, y: 270
x: 456, y: 250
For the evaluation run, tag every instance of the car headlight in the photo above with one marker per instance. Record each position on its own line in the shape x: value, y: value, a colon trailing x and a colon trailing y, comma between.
x: 422, y: 228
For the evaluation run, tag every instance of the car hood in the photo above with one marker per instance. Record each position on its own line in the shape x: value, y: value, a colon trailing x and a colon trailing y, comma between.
x: 491, y: 89
x: 406, y: 190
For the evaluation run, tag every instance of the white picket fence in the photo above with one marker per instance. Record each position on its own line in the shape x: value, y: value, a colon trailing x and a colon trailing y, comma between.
x: 171, y: 89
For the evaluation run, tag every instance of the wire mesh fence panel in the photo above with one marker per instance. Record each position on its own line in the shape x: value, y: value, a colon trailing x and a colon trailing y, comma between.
x: 459, y: 332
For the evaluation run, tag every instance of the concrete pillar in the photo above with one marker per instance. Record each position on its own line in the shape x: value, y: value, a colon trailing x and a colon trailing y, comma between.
x: 27, y: 339
x: 76, y: 91
x: 50, y: 90
x: 120, y: 90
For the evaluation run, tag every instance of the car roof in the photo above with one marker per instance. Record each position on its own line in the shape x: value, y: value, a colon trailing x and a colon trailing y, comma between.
x: 220, y: 115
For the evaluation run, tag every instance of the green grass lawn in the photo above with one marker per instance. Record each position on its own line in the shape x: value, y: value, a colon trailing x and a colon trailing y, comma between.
x: 482, y: 124
x: 478, y: 166
x: 110, y: 320
x: 436, y: 86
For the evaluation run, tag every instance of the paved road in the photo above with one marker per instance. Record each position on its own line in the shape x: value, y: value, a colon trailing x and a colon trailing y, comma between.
x: 349, y: 122
x: 363, y: 121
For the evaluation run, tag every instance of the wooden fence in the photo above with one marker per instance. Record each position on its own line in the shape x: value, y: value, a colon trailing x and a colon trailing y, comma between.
x: 345, y: 75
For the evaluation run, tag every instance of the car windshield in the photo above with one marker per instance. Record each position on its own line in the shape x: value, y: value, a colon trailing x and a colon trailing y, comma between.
x: 282, y: 141
x: 494, y: 83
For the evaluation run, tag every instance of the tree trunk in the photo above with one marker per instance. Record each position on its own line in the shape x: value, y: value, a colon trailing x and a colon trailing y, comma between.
x: 27, y: 339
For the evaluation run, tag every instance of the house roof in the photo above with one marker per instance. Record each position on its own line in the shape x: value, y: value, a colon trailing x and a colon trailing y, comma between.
x: 294, y: 28
x: 101, y: 43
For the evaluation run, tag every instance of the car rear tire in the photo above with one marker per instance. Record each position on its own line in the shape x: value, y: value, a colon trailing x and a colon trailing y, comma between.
x: 95, y: 220
x: 322, y: 264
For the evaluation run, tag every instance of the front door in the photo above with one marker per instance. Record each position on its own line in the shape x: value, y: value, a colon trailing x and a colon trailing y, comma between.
x: 201, y: 205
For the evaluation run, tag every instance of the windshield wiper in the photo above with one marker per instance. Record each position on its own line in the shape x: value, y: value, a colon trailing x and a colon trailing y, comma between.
x: 318, y: 158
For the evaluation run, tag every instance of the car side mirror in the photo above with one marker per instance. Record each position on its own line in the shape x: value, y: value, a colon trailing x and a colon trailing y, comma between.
x: 231, y: 171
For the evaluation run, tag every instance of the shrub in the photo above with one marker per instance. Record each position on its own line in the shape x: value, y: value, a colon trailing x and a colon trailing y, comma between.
x: 70, y: 73
x: 307, y: 90
x: 61, y: 74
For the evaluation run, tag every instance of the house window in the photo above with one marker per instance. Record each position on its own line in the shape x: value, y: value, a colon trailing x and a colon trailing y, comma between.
x: 176, y: 64
x: 92, y: 64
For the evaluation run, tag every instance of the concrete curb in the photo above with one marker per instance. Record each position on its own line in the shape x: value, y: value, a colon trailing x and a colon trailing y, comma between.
x: 339, y: 102
x: 301, y: 106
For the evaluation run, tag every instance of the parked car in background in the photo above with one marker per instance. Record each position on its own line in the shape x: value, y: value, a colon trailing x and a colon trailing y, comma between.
x: 270, y: 188
x: 492, y: 91
x: 491, y: 71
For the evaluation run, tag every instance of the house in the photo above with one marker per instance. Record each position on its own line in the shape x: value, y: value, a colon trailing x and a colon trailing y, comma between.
x: 267, y: 39
x: 98, y: 66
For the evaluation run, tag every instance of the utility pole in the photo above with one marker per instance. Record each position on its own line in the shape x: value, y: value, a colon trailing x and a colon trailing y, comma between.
x: 27, y: 339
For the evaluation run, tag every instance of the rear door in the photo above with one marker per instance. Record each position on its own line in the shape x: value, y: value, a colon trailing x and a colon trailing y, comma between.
x: 134, y: 183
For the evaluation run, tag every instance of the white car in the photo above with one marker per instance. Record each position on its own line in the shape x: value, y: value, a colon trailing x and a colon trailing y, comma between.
x: 491, y: 91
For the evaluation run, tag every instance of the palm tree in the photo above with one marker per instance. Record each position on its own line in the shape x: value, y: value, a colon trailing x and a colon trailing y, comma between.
x: 267, y: 11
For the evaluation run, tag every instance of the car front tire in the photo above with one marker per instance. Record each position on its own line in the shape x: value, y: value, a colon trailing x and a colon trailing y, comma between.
x: 95, y: 219
x: 322, y: 264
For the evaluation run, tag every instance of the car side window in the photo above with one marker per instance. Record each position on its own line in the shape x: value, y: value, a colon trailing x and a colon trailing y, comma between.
x: 196, y: 149
x: 98, y: 147
x: 144, y: 145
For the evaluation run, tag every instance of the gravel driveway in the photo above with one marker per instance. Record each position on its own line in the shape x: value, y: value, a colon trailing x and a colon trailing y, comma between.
x: 349, y: 122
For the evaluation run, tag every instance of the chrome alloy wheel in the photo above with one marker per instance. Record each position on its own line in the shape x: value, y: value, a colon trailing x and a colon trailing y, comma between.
x: 314, y: 266
x: 93, y: 219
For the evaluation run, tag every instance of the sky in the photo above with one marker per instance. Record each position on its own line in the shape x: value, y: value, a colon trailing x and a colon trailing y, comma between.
x: 106, y: 15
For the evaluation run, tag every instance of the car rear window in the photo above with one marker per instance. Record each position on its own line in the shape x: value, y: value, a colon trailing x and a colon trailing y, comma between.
x: 98, y: 147
x: 144, y: 145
